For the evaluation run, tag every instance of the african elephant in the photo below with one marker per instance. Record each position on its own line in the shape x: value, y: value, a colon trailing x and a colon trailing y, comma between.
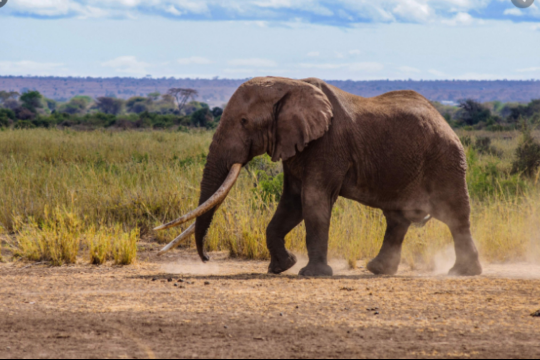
x: 394, y: 152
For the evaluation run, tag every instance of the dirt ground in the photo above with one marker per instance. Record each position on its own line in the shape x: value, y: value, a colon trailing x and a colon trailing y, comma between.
x: 231, y: 309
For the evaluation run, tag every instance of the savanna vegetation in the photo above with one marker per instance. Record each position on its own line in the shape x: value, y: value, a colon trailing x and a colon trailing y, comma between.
x: 68, y: 196
x: 176, y: 109
x: 470, y: 115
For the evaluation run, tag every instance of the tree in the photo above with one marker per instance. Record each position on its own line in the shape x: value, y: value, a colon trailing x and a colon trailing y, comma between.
x: 7, y: 95
x: 12, y: 104
x: 51, y: 104
x: 77, y: 105
x: 6, y: 117
x: 527, y: 158
x: 154, y: 95
x: 473, y: 112
x: 137, y: 104
x: 109, y: 105
x: 182, y: 96
x: 217, y: 112
x: 193, y: 106
x: 202, y: 118
x: 23, y: 113
x: 32, y: 100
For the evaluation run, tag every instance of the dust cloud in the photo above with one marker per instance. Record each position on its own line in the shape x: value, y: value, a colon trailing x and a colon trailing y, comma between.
x: 339, y: 266
x: 442, y: 263
x: 190, y: 267
x: 445, y: 260
x: 523, y: 271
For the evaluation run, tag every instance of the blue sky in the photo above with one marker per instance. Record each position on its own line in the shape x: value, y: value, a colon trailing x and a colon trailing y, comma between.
x: 330, y: 39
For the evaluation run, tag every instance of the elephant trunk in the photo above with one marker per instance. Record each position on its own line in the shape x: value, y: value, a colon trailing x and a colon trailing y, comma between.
x: 215, y: 174
x: 218, y: 179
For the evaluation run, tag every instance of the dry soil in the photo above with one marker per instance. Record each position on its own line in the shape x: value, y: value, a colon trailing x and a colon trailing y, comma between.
x: 176, y: 307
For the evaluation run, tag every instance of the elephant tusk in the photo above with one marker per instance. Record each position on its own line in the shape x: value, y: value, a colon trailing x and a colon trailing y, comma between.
x: 185, y: 235
x: 216, y: 199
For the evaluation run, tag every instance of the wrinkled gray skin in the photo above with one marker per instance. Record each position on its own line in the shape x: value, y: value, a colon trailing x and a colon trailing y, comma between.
x: 393, y: 152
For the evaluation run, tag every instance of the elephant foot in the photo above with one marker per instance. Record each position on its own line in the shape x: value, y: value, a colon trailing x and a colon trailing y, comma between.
x: 278, y: 266
x: 204, y: 257
x: 467, y: 268
x: 319, y: 270
x: 381, y: 266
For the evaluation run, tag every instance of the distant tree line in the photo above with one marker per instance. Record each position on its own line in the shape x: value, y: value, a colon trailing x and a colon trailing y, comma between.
x: 177, y: 108
x: 494, y: 116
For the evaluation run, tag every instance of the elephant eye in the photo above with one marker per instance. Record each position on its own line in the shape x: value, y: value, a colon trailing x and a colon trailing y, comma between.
x: 244, y: 121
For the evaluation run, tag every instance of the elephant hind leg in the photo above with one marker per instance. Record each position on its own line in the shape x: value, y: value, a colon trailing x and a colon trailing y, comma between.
x: 389, y: 258
x: 454, y: 211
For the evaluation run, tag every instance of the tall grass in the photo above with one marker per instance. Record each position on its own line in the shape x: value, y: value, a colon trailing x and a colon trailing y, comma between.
x: 55, y: 239
x: 93, y: 194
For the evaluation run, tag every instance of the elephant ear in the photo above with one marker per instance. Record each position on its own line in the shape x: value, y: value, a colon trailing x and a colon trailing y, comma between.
x: 303, y: 115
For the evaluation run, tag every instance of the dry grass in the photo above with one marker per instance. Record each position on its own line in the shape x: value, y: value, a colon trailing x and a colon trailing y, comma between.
x: 56, y: 239
x: 124, y: 247
x: 67, y: 194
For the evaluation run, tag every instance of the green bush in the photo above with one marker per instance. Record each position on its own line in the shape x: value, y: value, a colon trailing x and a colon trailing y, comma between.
x: 7, y: 114
x: 483, y: 146
x: 32, y: 100
x: 472, y: 112
x: 527, y: 158
x: 4, y: 121
x: 268, y: 178
x: 270, y: 188
x: 24, y: 124
x: 466, y: 140
x: 202, y: 118
x: 487, y: 180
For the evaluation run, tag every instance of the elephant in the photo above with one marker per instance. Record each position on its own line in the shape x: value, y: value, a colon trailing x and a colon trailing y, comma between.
x: 393, y: 152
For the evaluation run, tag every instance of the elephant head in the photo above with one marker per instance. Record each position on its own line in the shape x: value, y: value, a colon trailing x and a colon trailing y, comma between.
x: 276, y: 116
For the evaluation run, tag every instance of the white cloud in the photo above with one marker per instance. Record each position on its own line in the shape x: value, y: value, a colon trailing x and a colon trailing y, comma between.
x: 174, y: 11
x: 513, y: 12
x: 323, y: 66
x: 313, y: 6
x: 534, y: 10
x: 409, y: 69
x: 26, y: 67
x: 337, y: 12
x: 460, y: 19
x: 56, y: 8
x: 194, y: 60
x: 127, y: 65
x: 414, y: 10
x: 254, y: 63
x: 531, y: 69
x: 197, y: 6
x: 477, y: 76
x: 437, y: 73
x: 360, y: 67
x: 366, y: 66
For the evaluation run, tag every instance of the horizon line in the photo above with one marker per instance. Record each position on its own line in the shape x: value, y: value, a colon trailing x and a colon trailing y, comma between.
x: 218, y: 78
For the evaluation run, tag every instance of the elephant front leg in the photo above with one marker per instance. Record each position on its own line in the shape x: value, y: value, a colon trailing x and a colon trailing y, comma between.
x: 387, y: 262
x: 287, y: 217
x: 317, y: 213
